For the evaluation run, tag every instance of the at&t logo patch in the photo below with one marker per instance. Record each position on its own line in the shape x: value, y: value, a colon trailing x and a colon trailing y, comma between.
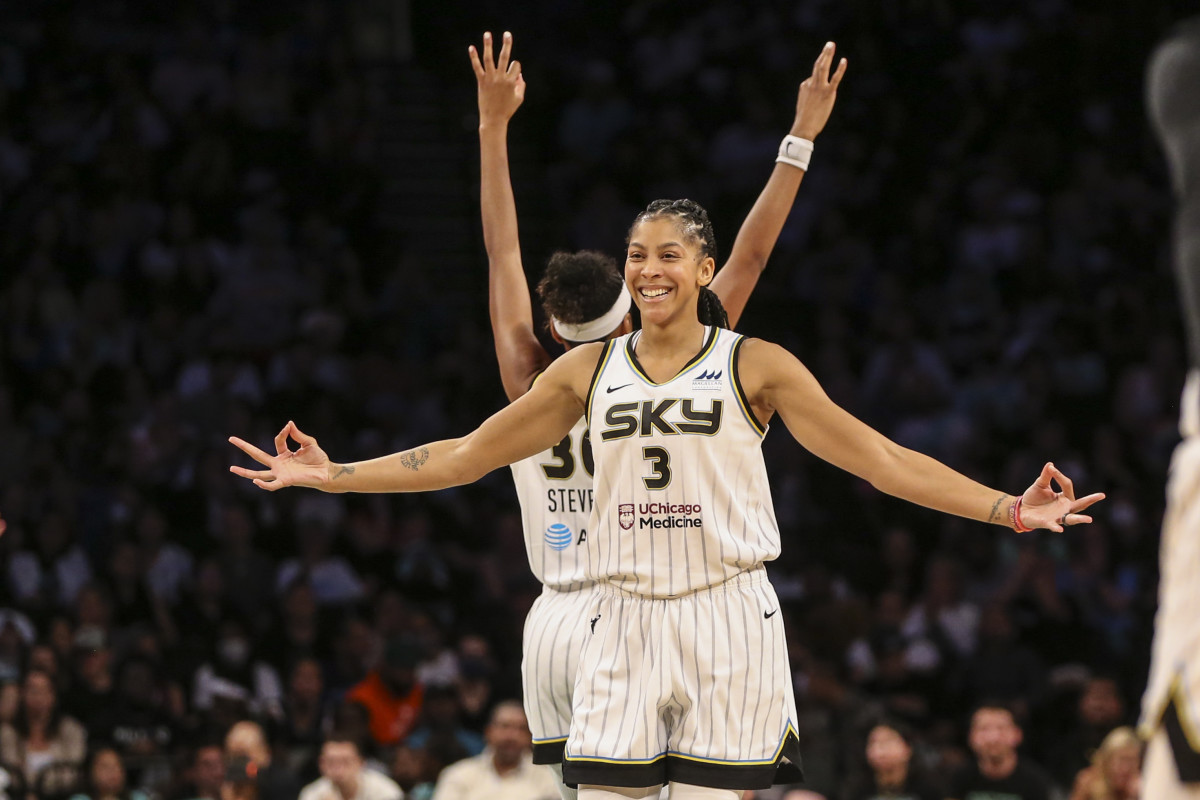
x: 559, y: 536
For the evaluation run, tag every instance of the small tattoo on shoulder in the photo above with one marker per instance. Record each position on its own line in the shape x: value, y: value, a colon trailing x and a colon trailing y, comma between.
x: 345, y: 470
x: 413, y: 459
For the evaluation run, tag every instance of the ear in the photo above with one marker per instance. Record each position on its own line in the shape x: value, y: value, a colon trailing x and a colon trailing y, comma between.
x: 708, y: 268
x: 557, y: 336
x: 626, y: 325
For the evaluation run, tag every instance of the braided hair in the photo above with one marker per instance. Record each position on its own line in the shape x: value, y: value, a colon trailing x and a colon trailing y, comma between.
x: 694, y: 224
x: 579, y: 287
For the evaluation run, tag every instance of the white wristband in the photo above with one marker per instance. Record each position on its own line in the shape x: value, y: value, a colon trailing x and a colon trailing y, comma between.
x: 795, y: 151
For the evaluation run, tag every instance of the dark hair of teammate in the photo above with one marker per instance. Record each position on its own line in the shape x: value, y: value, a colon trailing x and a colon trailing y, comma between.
x: 579, y: 287
x: 693, y: 222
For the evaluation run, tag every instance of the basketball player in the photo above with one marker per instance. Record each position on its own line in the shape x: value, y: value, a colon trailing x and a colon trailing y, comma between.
x: 1170, y: 713
x: 684, y: 675
x: 585, y: 299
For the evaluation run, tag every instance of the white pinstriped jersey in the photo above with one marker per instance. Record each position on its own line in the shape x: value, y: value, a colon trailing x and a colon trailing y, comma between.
x: 555, y: 492
x: 682, y: 498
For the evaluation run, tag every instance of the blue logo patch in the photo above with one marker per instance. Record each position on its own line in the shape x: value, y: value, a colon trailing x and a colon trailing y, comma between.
x: 559, y: 536
x: 708, y: 380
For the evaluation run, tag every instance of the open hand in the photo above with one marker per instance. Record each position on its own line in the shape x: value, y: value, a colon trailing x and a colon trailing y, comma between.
x: 501, y: 85
x: 817, y: 94
x: 307, y: 466
x: 1042, y: 507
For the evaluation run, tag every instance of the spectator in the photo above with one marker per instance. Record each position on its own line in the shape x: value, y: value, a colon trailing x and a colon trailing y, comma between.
x: 892, y: 771
x: 91, y: 689
x: 505, y: 769
x: 998, y: 768
x: 41, y: 735
x: 301, y: 730
x: 343, y: 776
x: 246, y: 741
x: 1099, y: 710
x: 137, y: 725
x: 1115, y: 772
x: 390, y: 692
x: 237, y: 673
x: 414, y: 771
x: 441, y: 720
x: 204, y: 774
x: 105, y: 778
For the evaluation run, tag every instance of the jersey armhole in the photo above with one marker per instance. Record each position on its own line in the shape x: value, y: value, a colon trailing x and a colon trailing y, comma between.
x: 735, y: 354
x: 600, y: 362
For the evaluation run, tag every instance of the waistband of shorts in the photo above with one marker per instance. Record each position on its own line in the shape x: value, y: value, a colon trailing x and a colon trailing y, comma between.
x: 751, y: 577
x: 1189, y: 406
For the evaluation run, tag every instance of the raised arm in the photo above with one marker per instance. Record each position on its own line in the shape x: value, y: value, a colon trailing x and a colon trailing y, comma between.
x: 776, y: 381
x: 535, y: 422
x: 756, y: 239
x: 501, y: 90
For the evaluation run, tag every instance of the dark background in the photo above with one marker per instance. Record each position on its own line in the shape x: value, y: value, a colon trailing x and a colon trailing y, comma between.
x: 218, y: 216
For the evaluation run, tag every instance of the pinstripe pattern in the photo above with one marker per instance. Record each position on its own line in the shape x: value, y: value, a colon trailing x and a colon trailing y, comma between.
x: 722, y: 473
x: 555, y: 631
x: 675, y: 679
x: 1175, y: 663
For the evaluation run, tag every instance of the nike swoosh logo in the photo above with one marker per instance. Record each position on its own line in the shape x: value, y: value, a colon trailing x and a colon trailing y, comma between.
x: 612, y: 389
x: 769, y: 614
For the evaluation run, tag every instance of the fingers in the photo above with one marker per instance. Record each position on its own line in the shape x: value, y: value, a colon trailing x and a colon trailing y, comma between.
x: 281, y: 445
x: 476, y: 66
x: 514, y: 69
x: 1084, y: 502
x: 303, y: 438
x: 821, y: 65
x: 1067, y: 486
x: 1043, y: 480
x: 505, y: 52
x: 253, y: 474
x: 489, y: 63
x: 520, y: 90
x: 837, y: 76
x: 251, y: 450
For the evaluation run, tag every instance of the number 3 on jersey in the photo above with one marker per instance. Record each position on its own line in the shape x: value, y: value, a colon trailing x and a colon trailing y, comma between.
x: 660, y: 462
x: 565, y: 467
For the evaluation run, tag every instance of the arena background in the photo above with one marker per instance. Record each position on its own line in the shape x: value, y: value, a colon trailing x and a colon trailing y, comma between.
x: 218, y: 216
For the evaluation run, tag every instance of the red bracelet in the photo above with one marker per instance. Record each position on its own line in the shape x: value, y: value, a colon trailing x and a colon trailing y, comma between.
x: 1018, y: 525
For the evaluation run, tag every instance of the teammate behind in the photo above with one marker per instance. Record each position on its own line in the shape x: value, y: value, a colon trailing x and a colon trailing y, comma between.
x: 1169, y: 707
x: 586, y: 300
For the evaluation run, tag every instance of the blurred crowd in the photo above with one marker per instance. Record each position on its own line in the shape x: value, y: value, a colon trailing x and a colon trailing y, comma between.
x: 190, y: 248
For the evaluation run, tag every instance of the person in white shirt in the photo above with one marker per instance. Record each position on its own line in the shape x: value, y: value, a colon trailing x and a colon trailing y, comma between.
x: 344, y: 777
x: 504, y: 770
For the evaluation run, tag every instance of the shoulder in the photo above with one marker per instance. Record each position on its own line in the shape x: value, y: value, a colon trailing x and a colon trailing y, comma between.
x: 380, y: 785
x: 314, y: 789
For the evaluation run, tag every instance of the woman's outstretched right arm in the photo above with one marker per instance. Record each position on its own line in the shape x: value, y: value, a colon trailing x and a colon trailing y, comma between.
x: 535, y: 422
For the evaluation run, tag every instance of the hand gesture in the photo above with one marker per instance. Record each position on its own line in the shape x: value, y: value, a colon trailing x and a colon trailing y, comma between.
x: 501, y: 85
x: 1042, y: 507
x: 817, y: 94
x: 308, y: 466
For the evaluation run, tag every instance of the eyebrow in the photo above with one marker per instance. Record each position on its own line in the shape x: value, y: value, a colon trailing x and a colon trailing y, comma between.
x: 662, y: 246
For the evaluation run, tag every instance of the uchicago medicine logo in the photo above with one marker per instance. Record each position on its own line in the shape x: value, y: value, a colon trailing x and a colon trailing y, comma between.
x: 625, y: 515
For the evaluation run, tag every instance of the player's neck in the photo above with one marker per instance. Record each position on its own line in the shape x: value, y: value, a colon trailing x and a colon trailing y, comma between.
x: 670, y: 340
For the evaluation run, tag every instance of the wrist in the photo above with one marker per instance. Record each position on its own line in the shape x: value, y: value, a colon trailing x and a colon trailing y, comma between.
x: 492, y: 125
x: 795, y: 151
x: 802, y: 131
x: 1014, y: 516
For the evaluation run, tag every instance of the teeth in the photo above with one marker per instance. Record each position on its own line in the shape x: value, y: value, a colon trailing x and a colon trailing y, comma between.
x: 653, y: 292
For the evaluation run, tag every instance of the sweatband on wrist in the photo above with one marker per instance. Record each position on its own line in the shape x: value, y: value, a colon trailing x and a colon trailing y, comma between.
x: 795, y: 152
x: 599, y: 327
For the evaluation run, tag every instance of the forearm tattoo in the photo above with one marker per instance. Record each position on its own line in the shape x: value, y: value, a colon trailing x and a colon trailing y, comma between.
x: 413, y: 459
x: 345, y: 470
x: 996, y: 515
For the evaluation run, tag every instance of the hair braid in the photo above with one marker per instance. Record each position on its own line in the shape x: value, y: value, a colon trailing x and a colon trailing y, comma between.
x: 695, y: 225
x: 710, y: 309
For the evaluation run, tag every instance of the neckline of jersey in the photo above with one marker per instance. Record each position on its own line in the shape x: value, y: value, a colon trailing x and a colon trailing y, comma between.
x: 710, y: 339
